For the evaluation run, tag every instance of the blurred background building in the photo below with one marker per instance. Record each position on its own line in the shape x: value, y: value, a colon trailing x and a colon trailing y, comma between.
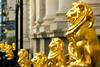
x: 45, y: 19
x: 41, y: 20
x: 7, y: 20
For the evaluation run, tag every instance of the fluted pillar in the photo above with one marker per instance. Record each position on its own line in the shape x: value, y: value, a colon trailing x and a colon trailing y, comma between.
x: 31, y: 23
x: 96, y: 9
x: 40, y: 12
x: 34, y: 46
x: 60, y: 20
x: 32, y: 15
x: 50, y: 13
x: 25, y: 24
x: 42, y: 45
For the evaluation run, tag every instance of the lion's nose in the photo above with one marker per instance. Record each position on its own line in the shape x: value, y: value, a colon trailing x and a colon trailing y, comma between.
x: 68, y: 16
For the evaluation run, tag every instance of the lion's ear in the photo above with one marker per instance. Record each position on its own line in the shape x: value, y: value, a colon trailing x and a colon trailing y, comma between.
x: 81, y: 7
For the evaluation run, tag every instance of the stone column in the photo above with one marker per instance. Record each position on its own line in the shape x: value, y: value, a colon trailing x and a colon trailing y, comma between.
x: 40, y: 12
x: 25, y: 24
x: 60, y: 20
x: 25, y: 18
x: 42, y: 45
x: 34, y: 46
x: 31, y: 23
x: 96, y: 9
x: 32, y: 15
x: 50, y: 13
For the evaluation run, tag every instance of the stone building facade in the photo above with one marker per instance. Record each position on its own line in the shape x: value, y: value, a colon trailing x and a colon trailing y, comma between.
x: 8, y: 8
x: 46, y: 19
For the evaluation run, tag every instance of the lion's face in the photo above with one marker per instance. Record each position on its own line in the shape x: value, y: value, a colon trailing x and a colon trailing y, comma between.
x: 39, y: 58
x: 72, y: 14
x: 23, y: 53
x: 77, y: 10
x: 55, y: 46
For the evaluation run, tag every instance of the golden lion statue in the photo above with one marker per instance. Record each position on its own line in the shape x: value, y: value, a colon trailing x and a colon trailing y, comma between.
x: 8, y: 49
x: 39, y: 60
x: 56, y: 54
x: 84, y: 47
x: 23, y: 58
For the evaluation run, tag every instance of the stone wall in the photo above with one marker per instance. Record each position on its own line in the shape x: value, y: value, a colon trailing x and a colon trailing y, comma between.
x: 47, y: 20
